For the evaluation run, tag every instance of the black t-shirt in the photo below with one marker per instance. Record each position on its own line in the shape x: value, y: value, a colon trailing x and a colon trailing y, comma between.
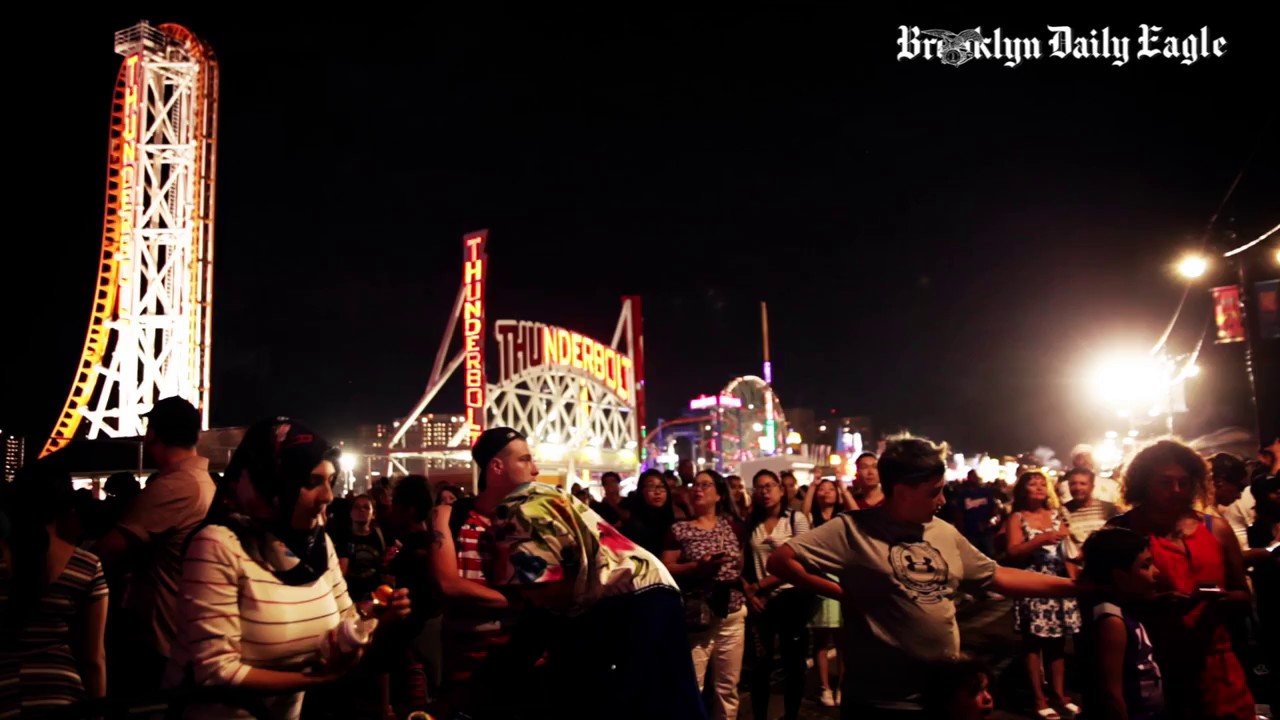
x: 606, y: 511
x: 411, y: 568
x: 364, y: 563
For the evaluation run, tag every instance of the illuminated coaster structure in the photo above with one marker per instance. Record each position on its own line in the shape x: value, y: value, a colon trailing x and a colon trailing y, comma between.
x: 578, y: 400
x: 716, y: 407
x: 744, y: 422
x: 753, y: 428
x: 150, y: 328
x: 735, y: 428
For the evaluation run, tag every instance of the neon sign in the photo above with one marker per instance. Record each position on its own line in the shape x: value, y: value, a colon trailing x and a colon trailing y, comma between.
x: 702, y: 402
x: 523, y: 345
x: 129, y: 147
x: 473, y: 274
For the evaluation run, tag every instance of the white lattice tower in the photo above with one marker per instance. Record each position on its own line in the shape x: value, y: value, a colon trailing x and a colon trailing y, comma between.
x: 150, y: 330
x: 559, y: 403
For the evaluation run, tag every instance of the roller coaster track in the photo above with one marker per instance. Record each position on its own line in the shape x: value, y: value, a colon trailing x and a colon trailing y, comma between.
x: 120, y: 248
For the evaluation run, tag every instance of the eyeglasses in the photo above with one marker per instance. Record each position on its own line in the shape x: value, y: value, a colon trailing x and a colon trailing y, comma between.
x: 705, y: 485
x: 768, y: 486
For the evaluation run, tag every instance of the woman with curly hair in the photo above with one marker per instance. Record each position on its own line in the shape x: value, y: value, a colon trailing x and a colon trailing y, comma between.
x: 1202, y: 578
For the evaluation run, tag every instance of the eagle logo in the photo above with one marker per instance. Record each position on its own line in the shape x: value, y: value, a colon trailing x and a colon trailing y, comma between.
x: 955, y: 48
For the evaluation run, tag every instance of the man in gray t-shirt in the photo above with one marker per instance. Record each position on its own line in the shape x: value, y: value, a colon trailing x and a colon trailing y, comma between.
x: 900, y: 568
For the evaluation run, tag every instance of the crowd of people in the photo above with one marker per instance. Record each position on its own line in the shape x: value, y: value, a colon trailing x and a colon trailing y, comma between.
x: 260, y: 594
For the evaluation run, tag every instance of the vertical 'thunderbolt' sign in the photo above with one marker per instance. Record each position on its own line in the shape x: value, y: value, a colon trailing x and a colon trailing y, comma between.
x: 473, y: 273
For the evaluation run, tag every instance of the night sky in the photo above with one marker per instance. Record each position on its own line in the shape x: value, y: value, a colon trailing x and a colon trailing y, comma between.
x: 943, y: 249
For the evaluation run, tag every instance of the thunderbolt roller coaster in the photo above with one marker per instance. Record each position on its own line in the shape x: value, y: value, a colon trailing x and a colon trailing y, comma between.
x: 149, y: 331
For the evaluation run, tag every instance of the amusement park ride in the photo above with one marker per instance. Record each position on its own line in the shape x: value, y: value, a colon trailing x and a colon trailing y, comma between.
x: 149, y: 330
x: 581, y: 402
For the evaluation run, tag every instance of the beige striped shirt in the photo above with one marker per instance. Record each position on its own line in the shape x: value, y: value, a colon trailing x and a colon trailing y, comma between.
x: 235, y: 615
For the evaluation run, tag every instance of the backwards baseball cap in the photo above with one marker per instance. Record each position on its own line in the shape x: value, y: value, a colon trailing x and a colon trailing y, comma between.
x: 490, y: 443
x: 174, y: 421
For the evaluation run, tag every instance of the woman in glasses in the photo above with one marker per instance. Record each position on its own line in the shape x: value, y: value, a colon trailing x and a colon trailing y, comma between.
x: 780, y: 613
x: 704, y: 554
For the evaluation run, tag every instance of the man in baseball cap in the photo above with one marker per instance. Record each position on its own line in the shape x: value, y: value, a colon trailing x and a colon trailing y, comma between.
x: 515, y: 463
x: 174, y: 422
x: 485, y: 673
x: 574, y: 569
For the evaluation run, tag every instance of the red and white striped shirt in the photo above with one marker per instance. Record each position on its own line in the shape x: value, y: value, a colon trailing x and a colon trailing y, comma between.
x: 472, y: 632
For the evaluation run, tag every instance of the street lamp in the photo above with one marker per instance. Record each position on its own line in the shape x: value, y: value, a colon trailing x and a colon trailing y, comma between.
x: 1138, y: 384
x: 1193, y: 266
x: 347, y: 464
x: 1128, y: 382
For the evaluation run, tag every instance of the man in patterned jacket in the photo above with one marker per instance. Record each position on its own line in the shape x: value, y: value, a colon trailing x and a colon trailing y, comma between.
x: 618, y: 630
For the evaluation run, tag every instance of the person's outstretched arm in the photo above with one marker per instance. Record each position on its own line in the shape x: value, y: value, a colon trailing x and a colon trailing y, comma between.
x: 1015, y: 583
x: 784, y: 565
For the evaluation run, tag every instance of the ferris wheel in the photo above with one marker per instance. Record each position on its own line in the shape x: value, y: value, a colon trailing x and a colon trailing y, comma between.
x: 754, y: 426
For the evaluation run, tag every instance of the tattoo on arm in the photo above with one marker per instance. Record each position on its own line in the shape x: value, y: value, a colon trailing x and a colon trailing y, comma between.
x: 437, y: 538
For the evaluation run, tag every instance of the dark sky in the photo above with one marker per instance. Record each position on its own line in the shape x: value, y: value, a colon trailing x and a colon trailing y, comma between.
x: 941, y: 248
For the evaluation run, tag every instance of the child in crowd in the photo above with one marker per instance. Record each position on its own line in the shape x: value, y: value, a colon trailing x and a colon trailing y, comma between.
x: 1124, y: 681
x: 959, y: 689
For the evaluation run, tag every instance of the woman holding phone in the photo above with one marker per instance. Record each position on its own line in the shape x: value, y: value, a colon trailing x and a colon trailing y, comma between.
x: 1202, y: 579
x: 704, y: 554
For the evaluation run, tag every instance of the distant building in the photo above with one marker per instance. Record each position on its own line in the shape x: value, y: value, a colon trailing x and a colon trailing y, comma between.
x: 834, y: 431
x: 433, y: 430
x: 803, y: 421
x: 14, y: 454
x: 851, y: 431
x: 431, y: 433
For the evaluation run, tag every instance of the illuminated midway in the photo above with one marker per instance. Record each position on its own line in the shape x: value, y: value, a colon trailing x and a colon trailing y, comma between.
x: 149, y: 331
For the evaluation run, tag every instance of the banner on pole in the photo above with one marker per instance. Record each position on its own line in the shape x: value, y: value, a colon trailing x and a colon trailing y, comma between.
x: 1228, y: 313
x: 1268, y: 299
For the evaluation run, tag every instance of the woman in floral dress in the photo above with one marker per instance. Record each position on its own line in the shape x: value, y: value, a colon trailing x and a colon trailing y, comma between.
x: 1035, y: 532
x: 704, y: 554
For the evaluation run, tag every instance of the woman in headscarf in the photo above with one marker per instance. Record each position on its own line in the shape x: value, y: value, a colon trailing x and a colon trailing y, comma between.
x: 264, y: 600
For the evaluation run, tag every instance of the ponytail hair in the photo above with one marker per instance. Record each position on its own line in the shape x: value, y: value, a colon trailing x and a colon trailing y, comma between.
x: 41, y: 493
